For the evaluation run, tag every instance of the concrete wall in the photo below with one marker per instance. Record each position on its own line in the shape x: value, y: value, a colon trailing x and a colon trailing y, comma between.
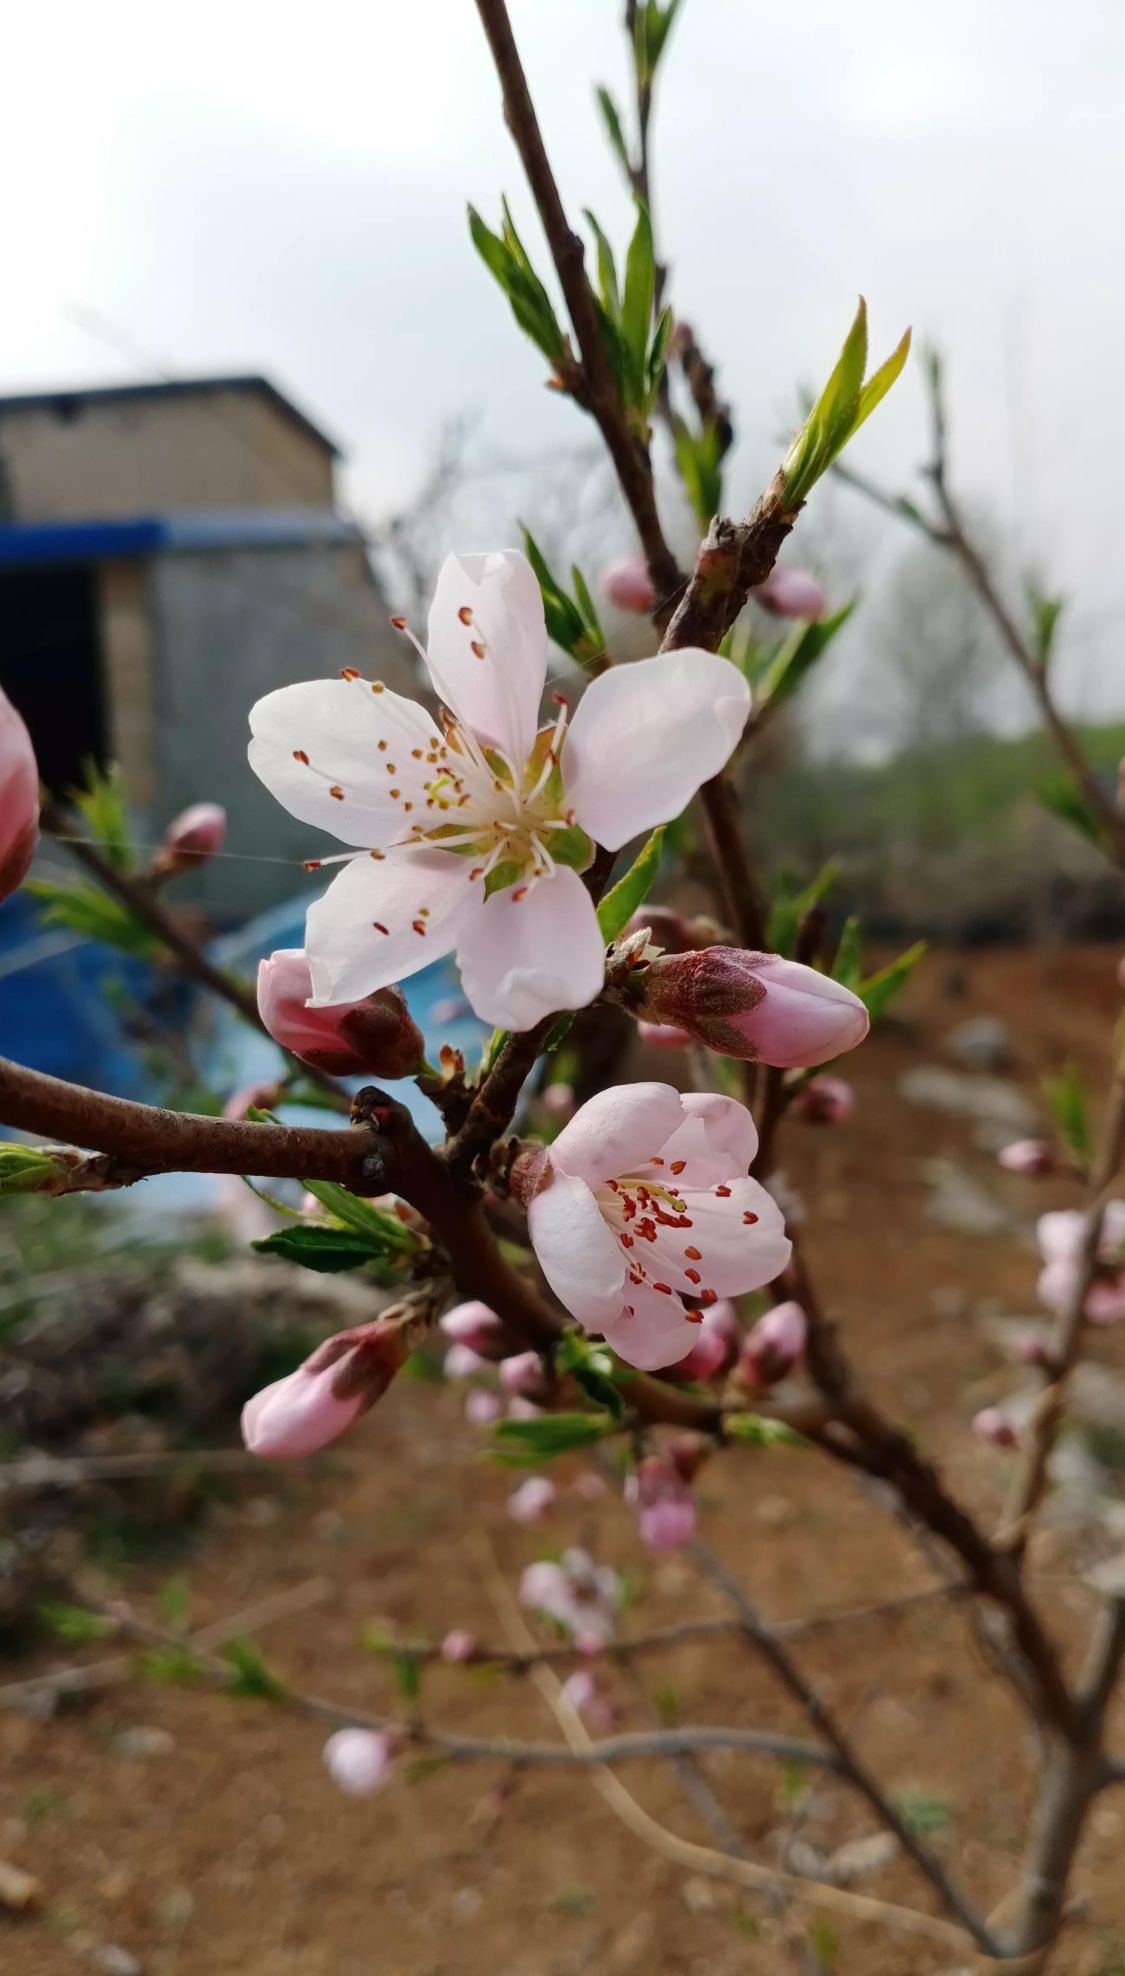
x: 222, y: 449
x: 228, y: 626
x: 128, y: 670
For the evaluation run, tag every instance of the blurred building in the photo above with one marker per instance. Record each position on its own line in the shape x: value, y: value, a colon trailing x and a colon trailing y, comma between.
x: 168, y: 552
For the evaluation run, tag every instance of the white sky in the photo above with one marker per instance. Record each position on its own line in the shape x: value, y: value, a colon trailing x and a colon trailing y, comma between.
x: 262, y: 186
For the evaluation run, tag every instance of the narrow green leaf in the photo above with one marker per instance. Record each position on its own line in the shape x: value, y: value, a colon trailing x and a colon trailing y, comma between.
x: 636, y: 304
x: 614, y: 132
x: 524, y: 1443
x: 326, y: 1250
x: 848, y: 964
x: 879, y: 383
x: 73, y: 1623
x: 755, y: 1431
x: 788, y: 908
x: 658, y: 355
x: 252, y: 1676
x: 586, y: 604
x: 383, y: 1230
x: 592, y: 1367
x: 1067, y: 1101
x: 607, y: 268
x: 799, y: 654
x: 623, y: 899
x: 101, y: 801
x: 1045, y: 614
x: 879, y: 991
x: 408, y: 1675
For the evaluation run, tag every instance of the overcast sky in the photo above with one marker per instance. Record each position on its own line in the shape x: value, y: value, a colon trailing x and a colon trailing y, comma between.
x: 282, y: 188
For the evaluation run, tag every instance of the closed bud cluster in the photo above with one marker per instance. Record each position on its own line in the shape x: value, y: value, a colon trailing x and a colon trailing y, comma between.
x: 760, y: 1007
x: 376, y: 1037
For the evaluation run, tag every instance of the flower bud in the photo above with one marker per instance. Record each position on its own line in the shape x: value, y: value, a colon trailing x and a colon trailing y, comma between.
x: 628, y: 585
x: 558, y: 1103
x: 791, y: 593
x: 1034, y: 1156
x: 581, y: 1690
x: 475, y: 1325
x: 687, y: 1454
x: 360, y: 1761
x: 993, y: 1426
x: 663, y: 1502
x: 19, y: 799
x: 718, y: 1340
x: 339, y: 1381
x: 532, y: 1499
x: 261, y: 1097
x: 826, y: 1101
x: 373, y: 1038
x: 458, y: 1645
x: 197, y: 833
x: 756, y: 1006
x: 482, y: 1407
x: 461, y: 1362
x: 522, y: 1377
x: 773, y: 1347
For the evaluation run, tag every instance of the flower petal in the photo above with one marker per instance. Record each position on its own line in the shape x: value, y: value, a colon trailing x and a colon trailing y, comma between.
x: 717, y: 1140
x: 645, y: 736
x: 384, y: 918
x: 533, y: 950
x: 497, y: 695
x: 577, y: 1252
x: 617, y: 1131
x: 369, y: 745
x: 737, y: 1253
x: 652, y: 1331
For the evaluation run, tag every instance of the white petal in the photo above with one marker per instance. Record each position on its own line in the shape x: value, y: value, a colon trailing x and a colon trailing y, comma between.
x: 617, y: 1131
x: 646, y: 736
x: 498, y: 695
x: 371, y: 746
x: 350, y: 955
x: 531, y: 951
x: 577, y: 1252
x: 729, y: 1132
x: 652, y: 1331
x: 737, y: 1254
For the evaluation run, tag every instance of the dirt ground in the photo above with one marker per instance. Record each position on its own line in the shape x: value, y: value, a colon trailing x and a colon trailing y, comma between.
x: 227, y: 1849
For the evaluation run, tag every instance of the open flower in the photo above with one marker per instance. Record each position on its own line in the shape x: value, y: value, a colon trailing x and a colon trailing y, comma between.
x: 643, y: 1216
x: 577, y: 1593
x: 1061, y: 1236
x: 473, y: 834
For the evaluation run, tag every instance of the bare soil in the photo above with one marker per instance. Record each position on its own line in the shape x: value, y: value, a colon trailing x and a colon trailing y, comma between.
x: 232, y: 1852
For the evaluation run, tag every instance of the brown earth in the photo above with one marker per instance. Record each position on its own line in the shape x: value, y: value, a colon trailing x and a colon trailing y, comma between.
x: 232, y: 1852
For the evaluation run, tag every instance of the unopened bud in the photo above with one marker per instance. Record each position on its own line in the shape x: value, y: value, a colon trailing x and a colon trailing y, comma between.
x: 475, y: 1325
x: 826, y: 1101
x: 19, y: 799
x: 483, y: 1407
x: 773, y: 1347
x: 197, y: 833
x: 718, y: 1339
x: 1032, y: 1156
x: 993, y: 1426
x: 532, y: 1499
x: 522, y: 1377
x: 759, y: 1007
x: 687, y: 1454
x: 342, y: 1379
x: 791, y: 593
x: 458, y: 1645
x: 663, y: 1502
x: 628, y: 585
x: 360, y: 1761
x: 376, y: 1037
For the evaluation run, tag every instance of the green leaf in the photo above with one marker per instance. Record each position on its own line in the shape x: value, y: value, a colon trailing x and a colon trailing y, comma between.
x: 87, y: 910
x: 843, y: 405
x: 25, y: 1169
x: 1061, y: 795
x: 174, y: 1666
x: 848, y: 964
x: 658, y: 355
x: 630, y: 892
x: 101, y: 801
x: 1045, y: 614
x: 252, y: 1676
x: 507, y: 262
x: 408, y: 1675
x: 525, y: 1443
x: 607, y: 268
x: 73, y: 1623
x: 383, y: 1230
x: 612, y: 122
x: 699, y: 461
x: 923, y: 1814
x: 798, y: 655
x: 591, y: 1366
x: 788, y: 908
x: 326, y: 1250
x: 753, y: 1430
x: 878, y: 385
x: 586, y: 605
x: 636, y: 305
x: 879, y: 990
x: 1068, y: 1104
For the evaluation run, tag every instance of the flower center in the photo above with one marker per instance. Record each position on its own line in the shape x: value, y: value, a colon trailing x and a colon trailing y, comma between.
x: 480, y: 805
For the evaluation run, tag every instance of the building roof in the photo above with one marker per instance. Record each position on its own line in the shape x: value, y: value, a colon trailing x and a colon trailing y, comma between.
x: 41, y: 542
x: 72, y: 401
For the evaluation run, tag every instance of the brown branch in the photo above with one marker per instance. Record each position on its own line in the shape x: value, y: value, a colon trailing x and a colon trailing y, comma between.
x: 1031, y: 1479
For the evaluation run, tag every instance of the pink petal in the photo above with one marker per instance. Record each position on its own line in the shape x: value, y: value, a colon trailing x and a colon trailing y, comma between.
x: 498, y: 695
x: 617, y: 1131
x: 359, y: 1761
x: 719, y: 1131
x: 339, y: 724
x: 652, y: 1331
x: 737, y: 1255
x: 19, y: 799
x: 576, y: 1251
x: 530, y: 951
x: 299, y: 1414
x: 1060, y: 1234
x: 349, y: 952
x: 645, y: 737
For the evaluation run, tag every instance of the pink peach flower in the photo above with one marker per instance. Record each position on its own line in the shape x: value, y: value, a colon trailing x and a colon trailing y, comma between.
x: 774, y: 1346
x: 471, y: 837
x: 826, y: 1101
x: 360, y: 1761
x: 531, y: 1501
x: 1033, y: 1156
x: 577, y: 1593
x: 756, y: 1006
x: 628, y: 586
x: 316, y: 1404
x: 644, y: 1201
x: 19, y: 799
x: 473, y: 1324
x: 582, y: 1691
x: 374, y: 1037
x: 993, y: 1426
x: 1061, y: 1236
x: 663, y: 1502
x: 791, y: 593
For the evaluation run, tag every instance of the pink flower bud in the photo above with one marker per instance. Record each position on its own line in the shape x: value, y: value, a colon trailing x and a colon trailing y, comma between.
x: 195, y: 834
x: 589, y: 1486
x: 756, y: 1006
x: 482, y: 1407
x: 558, y: 1102
x: 522, y: 1376
x: 663, y: 1035
x: 581, y: 1690
x: 791, y: 593
x: 360, y: 1761
x: 718, y: 1340
x: 458, y: 1646
x: 773, y: 1347
x: 475, y: 1325
x: 826, y: 1101
x: 993, y: 1426
x: 663, y: 1502
x: 373, y: 1038
x: 628, y: 585
x: 530, y: 1502
x: 687, y: 1454
x: 339, y: 1381
x: 461, y: 1362
x: 1028, y: 1156
x: 260, y: 1097
x: 19, y: 799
